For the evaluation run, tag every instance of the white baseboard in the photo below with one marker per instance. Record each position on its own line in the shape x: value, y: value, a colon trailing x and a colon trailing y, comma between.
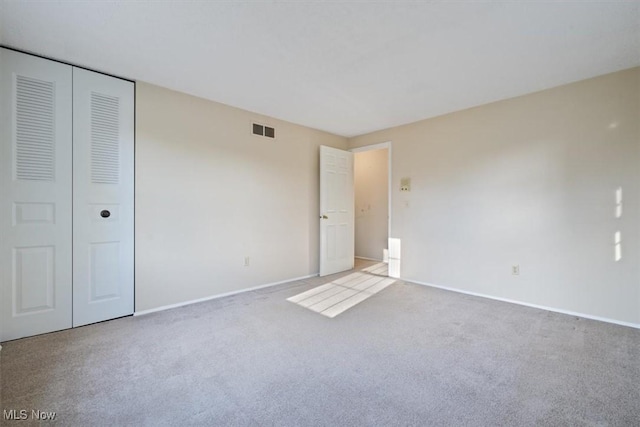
x: 526, y: 304
x: 226, y: 294
x: 368, y: 259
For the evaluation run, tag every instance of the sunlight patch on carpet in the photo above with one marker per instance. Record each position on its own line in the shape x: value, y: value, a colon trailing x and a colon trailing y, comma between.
x: 341, y: 294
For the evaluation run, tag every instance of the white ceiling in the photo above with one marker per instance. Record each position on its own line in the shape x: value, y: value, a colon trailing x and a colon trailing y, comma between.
x: 342, y: 66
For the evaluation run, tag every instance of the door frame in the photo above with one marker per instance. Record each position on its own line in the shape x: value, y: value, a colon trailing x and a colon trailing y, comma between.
x: 388, y: 145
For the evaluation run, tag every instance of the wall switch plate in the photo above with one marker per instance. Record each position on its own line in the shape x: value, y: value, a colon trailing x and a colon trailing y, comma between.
x: 246, y: 261
x: 405, y: 184
x: 515, y: 270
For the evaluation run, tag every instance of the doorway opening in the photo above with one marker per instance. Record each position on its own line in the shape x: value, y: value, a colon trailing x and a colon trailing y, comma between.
x: 372, y: 188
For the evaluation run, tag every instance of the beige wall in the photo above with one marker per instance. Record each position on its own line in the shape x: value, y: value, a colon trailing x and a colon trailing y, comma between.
x: 528, y: 181
x: 208, y: 193
x: 371, y: 179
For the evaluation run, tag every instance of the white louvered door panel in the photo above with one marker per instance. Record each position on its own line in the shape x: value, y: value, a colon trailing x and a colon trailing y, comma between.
x: 35, y: 195
x: 103, y: 182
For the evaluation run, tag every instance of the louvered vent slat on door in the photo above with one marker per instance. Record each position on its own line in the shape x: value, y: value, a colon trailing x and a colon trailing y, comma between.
x: 105, y: 146
x: 35, y: 129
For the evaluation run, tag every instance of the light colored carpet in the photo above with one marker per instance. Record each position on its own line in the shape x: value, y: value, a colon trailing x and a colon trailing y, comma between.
x: 338, y: 295
x: 410, y: 355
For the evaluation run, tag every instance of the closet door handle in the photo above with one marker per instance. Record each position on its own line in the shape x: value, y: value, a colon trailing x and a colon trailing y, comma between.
x: 105, y: 214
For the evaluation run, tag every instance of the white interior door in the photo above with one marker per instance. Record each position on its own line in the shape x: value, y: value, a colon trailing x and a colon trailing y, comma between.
x: 336, y: 210
x: 35, y: 195
x: 103, y: 177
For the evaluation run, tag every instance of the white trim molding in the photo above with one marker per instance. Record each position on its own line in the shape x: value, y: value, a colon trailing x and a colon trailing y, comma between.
x: 367, y: 259
x: 526, y: 304
x: 212, y: 297
x: 378, y: 146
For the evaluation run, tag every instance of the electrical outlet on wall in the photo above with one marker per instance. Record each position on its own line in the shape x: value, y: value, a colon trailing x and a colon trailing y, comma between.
x: 515, y: 270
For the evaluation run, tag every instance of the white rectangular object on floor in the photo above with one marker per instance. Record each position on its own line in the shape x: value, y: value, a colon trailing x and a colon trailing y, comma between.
x: 394, y: 268
x: 394, y: 248
x: 103, y: 207
x: 394, y: 257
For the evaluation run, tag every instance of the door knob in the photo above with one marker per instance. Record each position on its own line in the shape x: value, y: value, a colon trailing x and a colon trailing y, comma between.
x: 105, y: 214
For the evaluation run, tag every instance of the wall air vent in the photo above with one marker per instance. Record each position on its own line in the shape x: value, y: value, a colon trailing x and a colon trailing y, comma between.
x: 262, y: 130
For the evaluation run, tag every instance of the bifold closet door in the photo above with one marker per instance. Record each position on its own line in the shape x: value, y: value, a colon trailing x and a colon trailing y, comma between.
x: 103, y: 177
x: 35, y: 195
